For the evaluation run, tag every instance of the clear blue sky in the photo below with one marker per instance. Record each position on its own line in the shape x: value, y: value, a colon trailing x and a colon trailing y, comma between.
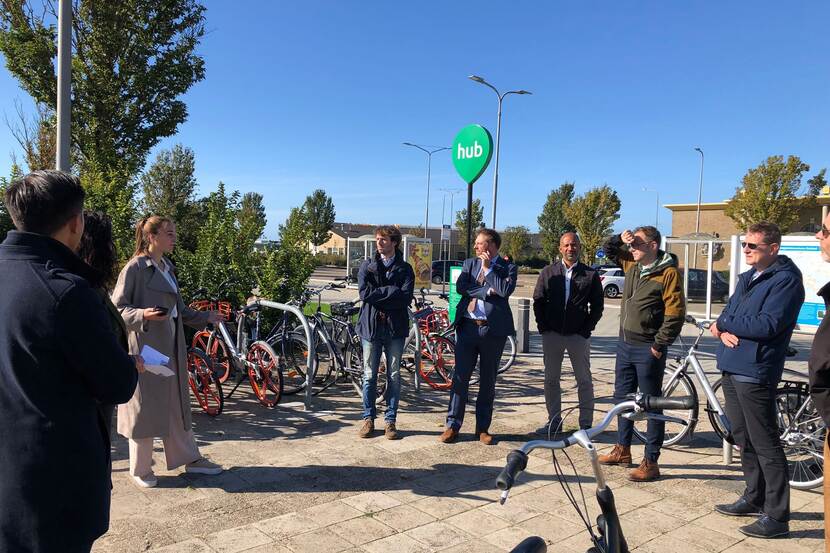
x: 320, y: 94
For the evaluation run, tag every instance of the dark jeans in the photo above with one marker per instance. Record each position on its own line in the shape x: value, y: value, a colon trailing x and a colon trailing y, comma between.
x: 637, y: 369
x: 474, y: 343
x: 751, y: 411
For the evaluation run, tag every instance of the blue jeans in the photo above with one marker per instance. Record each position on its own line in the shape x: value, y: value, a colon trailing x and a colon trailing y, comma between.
x: 393, y: 347
x: 637, y: 369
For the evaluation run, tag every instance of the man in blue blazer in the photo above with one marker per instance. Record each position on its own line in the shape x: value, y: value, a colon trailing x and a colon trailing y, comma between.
x: 483, y: 321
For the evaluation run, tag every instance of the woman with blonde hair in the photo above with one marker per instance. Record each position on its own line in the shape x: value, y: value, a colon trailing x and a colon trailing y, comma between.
x: 147, y: 296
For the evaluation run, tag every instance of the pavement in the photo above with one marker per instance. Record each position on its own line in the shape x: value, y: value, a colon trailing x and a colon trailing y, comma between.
x: 302, y: 481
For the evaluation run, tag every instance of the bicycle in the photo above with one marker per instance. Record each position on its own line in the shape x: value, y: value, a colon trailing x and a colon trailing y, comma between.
x: 802, y: 429
x: 246, y: 357
x: 611, y: 538
x: 437, y: 351
x: 206, y: 386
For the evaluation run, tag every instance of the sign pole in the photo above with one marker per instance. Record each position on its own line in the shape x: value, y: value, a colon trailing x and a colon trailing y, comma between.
x: 469, y: 219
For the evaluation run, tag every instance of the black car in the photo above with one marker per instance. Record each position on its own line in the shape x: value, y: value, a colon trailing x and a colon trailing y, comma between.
x: 441, y: 270
x: 697, y: 286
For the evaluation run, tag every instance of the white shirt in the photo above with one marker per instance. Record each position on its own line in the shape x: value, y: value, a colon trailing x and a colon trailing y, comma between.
x: 756, y: 275
x: 478, y: 313
x: 568, y: 275
x: 164, y: 269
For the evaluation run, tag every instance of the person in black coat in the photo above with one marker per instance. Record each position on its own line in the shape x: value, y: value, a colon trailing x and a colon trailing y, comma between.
x: 568, y: 304
x: 58, y: 361
x: 386, y: 284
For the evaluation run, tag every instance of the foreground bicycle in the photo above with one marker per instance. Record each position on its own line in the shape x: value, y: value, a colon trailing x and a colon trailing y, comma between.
x: 611, y: 538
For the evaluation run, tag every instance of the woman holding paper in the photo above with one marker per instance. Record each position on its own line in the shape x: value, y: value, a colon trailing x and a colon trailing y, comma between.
x: 147, y: 296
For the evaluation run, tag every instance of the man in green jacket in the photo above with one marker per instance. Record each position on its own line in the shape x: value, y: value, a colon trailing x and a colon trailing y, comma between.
x: 651, y: 316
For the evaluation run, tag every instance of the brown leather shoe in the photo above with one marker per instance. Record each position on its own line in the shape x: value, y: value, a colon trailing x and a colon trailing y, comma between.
x: 449, y: 436
x: 484, y: 437
x: 391, y: 432
x: 646, y: 472
x: 620, y: 455
x: 367, y: 429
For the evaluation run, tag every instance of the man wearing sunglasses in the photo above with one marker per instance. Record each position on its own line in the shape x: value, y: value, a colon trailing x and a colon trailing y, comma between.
x: 651, y: 317
x: 820, y: 368
x: 754, y: 330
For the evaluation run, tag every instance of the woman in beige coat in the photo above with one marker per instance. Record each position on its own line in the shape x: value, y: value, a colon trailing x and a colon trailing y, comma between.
x: 147, y: 296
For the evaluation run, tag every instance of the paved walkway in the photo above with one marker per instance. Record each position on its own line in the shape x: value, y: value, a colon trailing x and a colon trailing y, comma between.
x: 303, y: 482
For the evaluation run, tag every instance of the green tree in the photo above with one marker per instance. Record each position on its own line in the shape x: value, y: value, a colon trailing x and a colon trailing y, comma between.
x: 552, y: 221
x: 515, y: 241
x: 169, y: 183
x: 319, y: 214
x: 251, y: 217
x: 6, y: 223
x: 816, y: 183
x: 593, y: 215
x: 769, y: 192
x: 113, y: 192
x: 37, y: 136
x: 461, y: 222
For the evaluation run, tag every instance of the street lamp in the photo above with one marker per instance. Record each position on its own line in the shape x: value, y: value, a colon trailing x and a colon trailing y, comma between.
x: 429, y: 173
x: 452, y: 192
x: 480, y: 80
x: 64, y: 92
x: 699, y: 193
x: 657, y: 211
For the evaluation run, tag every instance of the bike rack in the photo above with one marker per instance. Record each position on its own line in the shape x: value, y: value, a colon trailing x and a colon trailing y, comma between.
x: 311, y: 359
x: 416, y: 376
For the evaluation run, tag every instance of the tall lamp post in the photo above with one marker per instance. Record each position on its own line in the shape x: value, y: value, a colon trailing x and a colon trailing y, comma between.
x: 501, y: 97
x: 656, y: 211
x: 64, y: 106
x: 452, y: 192
x: 429, y: 174
x: 699, y: 194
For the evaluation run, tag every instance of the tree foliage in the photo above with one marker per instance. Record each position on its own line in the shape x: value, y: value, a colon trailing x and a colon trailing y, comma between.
x: 461, y: 222
x: 593, y: 214
x: 113, y: 192
x: 37, y: 136
x: 553, y: 222
x: 816, y: 183
x: 6, y: 223
x: 132, y: 60
x: 515, y: 241
x: 319, y: 213
x: 169, y: 182
x: 770, y: 192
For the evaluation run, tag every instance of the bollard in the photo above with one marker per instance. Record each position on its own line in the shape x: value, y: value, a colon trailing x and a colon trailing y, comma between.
x: 727, y: 453
x: 521, y: 318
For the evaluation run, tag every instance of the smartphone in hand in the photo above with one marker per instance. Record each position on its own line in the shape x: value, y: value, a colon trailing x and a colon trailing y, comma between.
x: 161, y: 310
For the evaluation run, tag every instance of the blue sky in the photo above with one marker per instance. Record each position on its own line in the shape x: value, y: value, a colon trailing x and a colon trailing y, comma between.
x: 321, y: 94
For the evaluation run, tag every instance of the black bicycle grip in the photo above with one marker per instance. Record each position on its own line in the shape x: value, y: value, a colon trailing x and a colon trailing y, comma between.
x: 655, y: 403
x: 533, y: 544
x: 516, y: 463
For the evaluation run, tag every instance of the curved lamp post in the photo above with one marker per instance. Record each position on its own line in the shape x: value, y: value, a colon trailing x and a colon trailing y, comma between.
x: 501, y: 97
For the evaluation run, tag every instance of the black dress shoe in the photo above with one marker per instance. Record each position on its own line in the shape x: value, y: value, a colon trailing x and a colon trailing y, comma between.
x: 741, y: 508
x: 765, y: 528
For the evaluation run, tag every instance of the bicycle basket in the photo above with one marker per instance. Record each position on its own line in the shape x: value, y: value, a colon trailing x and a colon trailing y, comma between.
x: 223, y: 307
x: 344, y: 309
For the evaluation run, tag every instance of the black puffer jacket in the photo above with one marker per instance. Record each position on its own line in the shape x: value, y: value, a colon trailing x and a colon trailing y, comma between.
x: 820, y: 362
x: 386, y: 294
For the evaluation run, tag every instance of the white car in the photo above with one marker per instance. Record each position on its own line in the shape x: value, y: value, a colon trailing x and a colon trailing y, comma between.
x: 612, y: 282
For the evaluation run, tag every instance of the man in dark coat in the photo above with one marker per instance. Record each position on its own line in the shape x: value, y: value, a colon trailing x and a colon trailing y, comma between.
x: 483, y: 320
x: 568, y: 304
x: 820, y: 368
x: 386, y: 284
x: 754, y: 330
x: 58, y: 360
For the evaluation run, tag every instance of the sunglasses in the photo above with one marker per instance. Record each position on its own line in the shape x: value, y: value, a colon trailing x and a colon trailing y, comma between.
x: 825, y: 232
x: 752, y: 246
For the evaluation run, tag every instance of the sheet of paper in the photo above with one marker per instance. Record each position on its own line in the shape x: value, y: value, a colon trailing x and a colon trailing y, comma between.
x: 154, y: 357
x: 160, y: 370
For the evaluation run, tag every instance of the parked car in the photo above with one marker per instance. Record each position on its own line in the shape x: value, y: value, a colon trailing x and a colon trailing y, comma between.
x: 697, y: 286
x: 601, y: 267
x: 441, y: 270
x: 612, y: 280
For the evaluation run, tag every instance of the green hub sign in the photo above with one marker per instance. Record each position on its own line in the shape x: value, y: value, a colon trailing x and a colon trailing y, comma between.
x: 471, y: 152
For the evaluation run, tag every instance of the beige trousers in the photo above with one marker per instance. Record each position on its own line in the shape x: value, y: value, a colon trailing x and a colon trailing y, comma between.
x: 179, y: 445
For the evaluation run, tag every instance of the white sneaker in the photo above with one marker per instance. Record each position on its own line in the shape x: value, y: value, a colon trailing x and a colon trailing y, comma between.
x: 203, y: 466
x: 147, y: 481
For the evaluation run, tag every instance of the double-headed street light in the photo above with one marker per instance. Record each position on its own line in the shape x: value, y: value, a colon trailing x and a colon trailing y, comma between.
x: 429, y: 153
x: 480, y: 80
x: 657, y: 211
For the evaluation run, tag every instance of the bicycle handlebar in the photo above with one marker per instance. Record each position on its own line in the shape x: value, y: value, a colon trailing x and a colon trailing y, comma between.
x: 656, y: 403
x: 516, y: 463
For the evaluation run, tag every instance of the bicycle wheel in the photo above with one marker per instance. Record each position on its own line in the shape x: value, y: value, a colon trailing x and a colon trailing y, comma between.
x: 264, y: 374
x: 681, y: 386
x: 205, y: 386
x: 408, y: 357
x: 354, y: 361
x: 802, y: 435
x: 438, y: 362
x: 714, y: 417
x: 508, y: 356
x: 214, y: 347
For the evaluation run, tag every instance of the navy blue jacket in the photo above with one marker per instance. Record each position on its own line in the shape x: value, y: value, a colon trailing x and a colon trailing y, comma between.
x: 762, y: 314
x: 58, y: 359
x: 502, y: 280
x: 386, y: 295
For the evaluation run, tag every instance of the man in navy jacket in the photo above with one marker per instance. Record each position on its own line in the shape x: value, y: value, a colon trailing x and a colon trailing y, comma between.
x: 483, y: 320
x: 386, y: 284
x: 755, y: 330
x: 59, y: 360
